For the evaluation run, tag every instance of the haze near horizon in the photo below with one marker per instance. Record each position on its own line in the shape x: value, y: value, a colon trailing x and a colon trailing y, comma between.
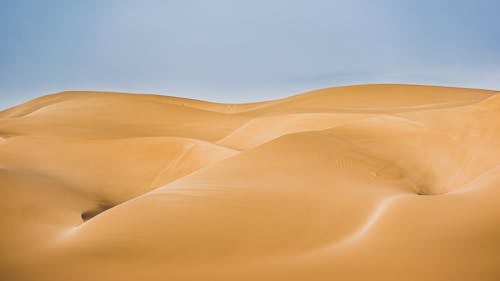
x: 238, y: 51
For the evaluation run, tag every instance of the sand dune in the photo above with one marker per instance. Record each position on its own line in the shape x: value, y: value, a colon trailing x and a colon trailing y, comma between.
x: 369, y: 182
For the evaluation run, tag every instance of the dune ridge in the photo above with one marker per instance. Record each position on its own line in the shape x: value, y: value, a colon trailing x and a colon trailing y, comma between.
x: 366, y: 182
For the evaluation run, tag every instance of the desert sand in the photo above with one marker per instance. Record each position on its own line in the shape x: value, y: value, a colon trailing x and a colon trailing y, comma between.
x: 367, y: 182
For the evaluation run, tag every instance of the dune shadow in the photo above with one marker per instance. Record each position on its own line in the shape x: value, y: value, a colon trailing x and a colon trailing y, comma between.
x: 101, y: 207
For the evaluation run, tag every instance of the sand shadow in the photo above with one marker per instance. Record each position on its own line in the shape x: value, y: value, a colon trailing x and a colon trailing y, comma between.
x: 101, y: 207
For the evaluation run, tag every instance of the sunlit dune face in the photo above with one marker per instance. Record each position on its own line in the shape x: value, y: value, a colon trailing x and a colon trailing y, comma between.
x: 370, y: 182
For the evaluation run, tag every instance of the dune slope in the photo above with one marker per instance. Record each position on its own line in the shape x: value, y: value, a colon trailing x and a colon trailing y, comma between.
x: 369, y: 182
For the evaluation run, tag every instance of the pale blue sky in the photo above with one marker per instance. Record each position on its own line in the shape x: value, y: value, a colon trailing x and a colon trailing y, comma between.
x: 237, y: 51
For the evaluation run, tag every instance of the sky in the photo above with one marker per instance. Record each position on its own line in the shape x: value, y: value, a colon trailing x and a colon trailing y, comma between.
x: 240, y: 51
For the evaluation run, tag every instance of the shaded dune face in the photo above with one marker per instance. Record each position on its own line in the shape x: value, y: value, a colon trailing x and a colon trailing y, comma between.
x: 99, y: 208
x: 369, y: 182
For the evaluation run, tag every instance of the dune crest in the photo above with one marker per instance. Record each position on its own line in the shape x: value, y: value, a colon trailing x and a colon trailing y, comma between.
x: 367, y: 182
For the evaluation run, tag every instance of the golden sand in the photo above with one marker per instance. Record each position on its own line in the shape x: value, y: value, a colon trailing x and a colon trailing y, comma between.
x: 369, y: 182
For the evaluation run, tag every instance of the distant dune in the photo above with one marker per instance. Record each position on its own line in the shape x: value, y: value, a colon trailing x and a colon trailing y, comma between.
x: 368, y: 182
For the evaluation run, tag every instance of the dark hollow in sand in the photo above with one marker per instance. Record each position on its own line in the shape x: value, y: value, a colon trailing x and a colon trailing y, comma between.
x: 101, y: 207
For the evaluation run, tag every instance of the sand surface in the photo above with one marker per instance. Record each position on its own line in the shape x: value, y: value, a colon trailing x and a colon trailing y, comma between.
x: 369, y: 182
